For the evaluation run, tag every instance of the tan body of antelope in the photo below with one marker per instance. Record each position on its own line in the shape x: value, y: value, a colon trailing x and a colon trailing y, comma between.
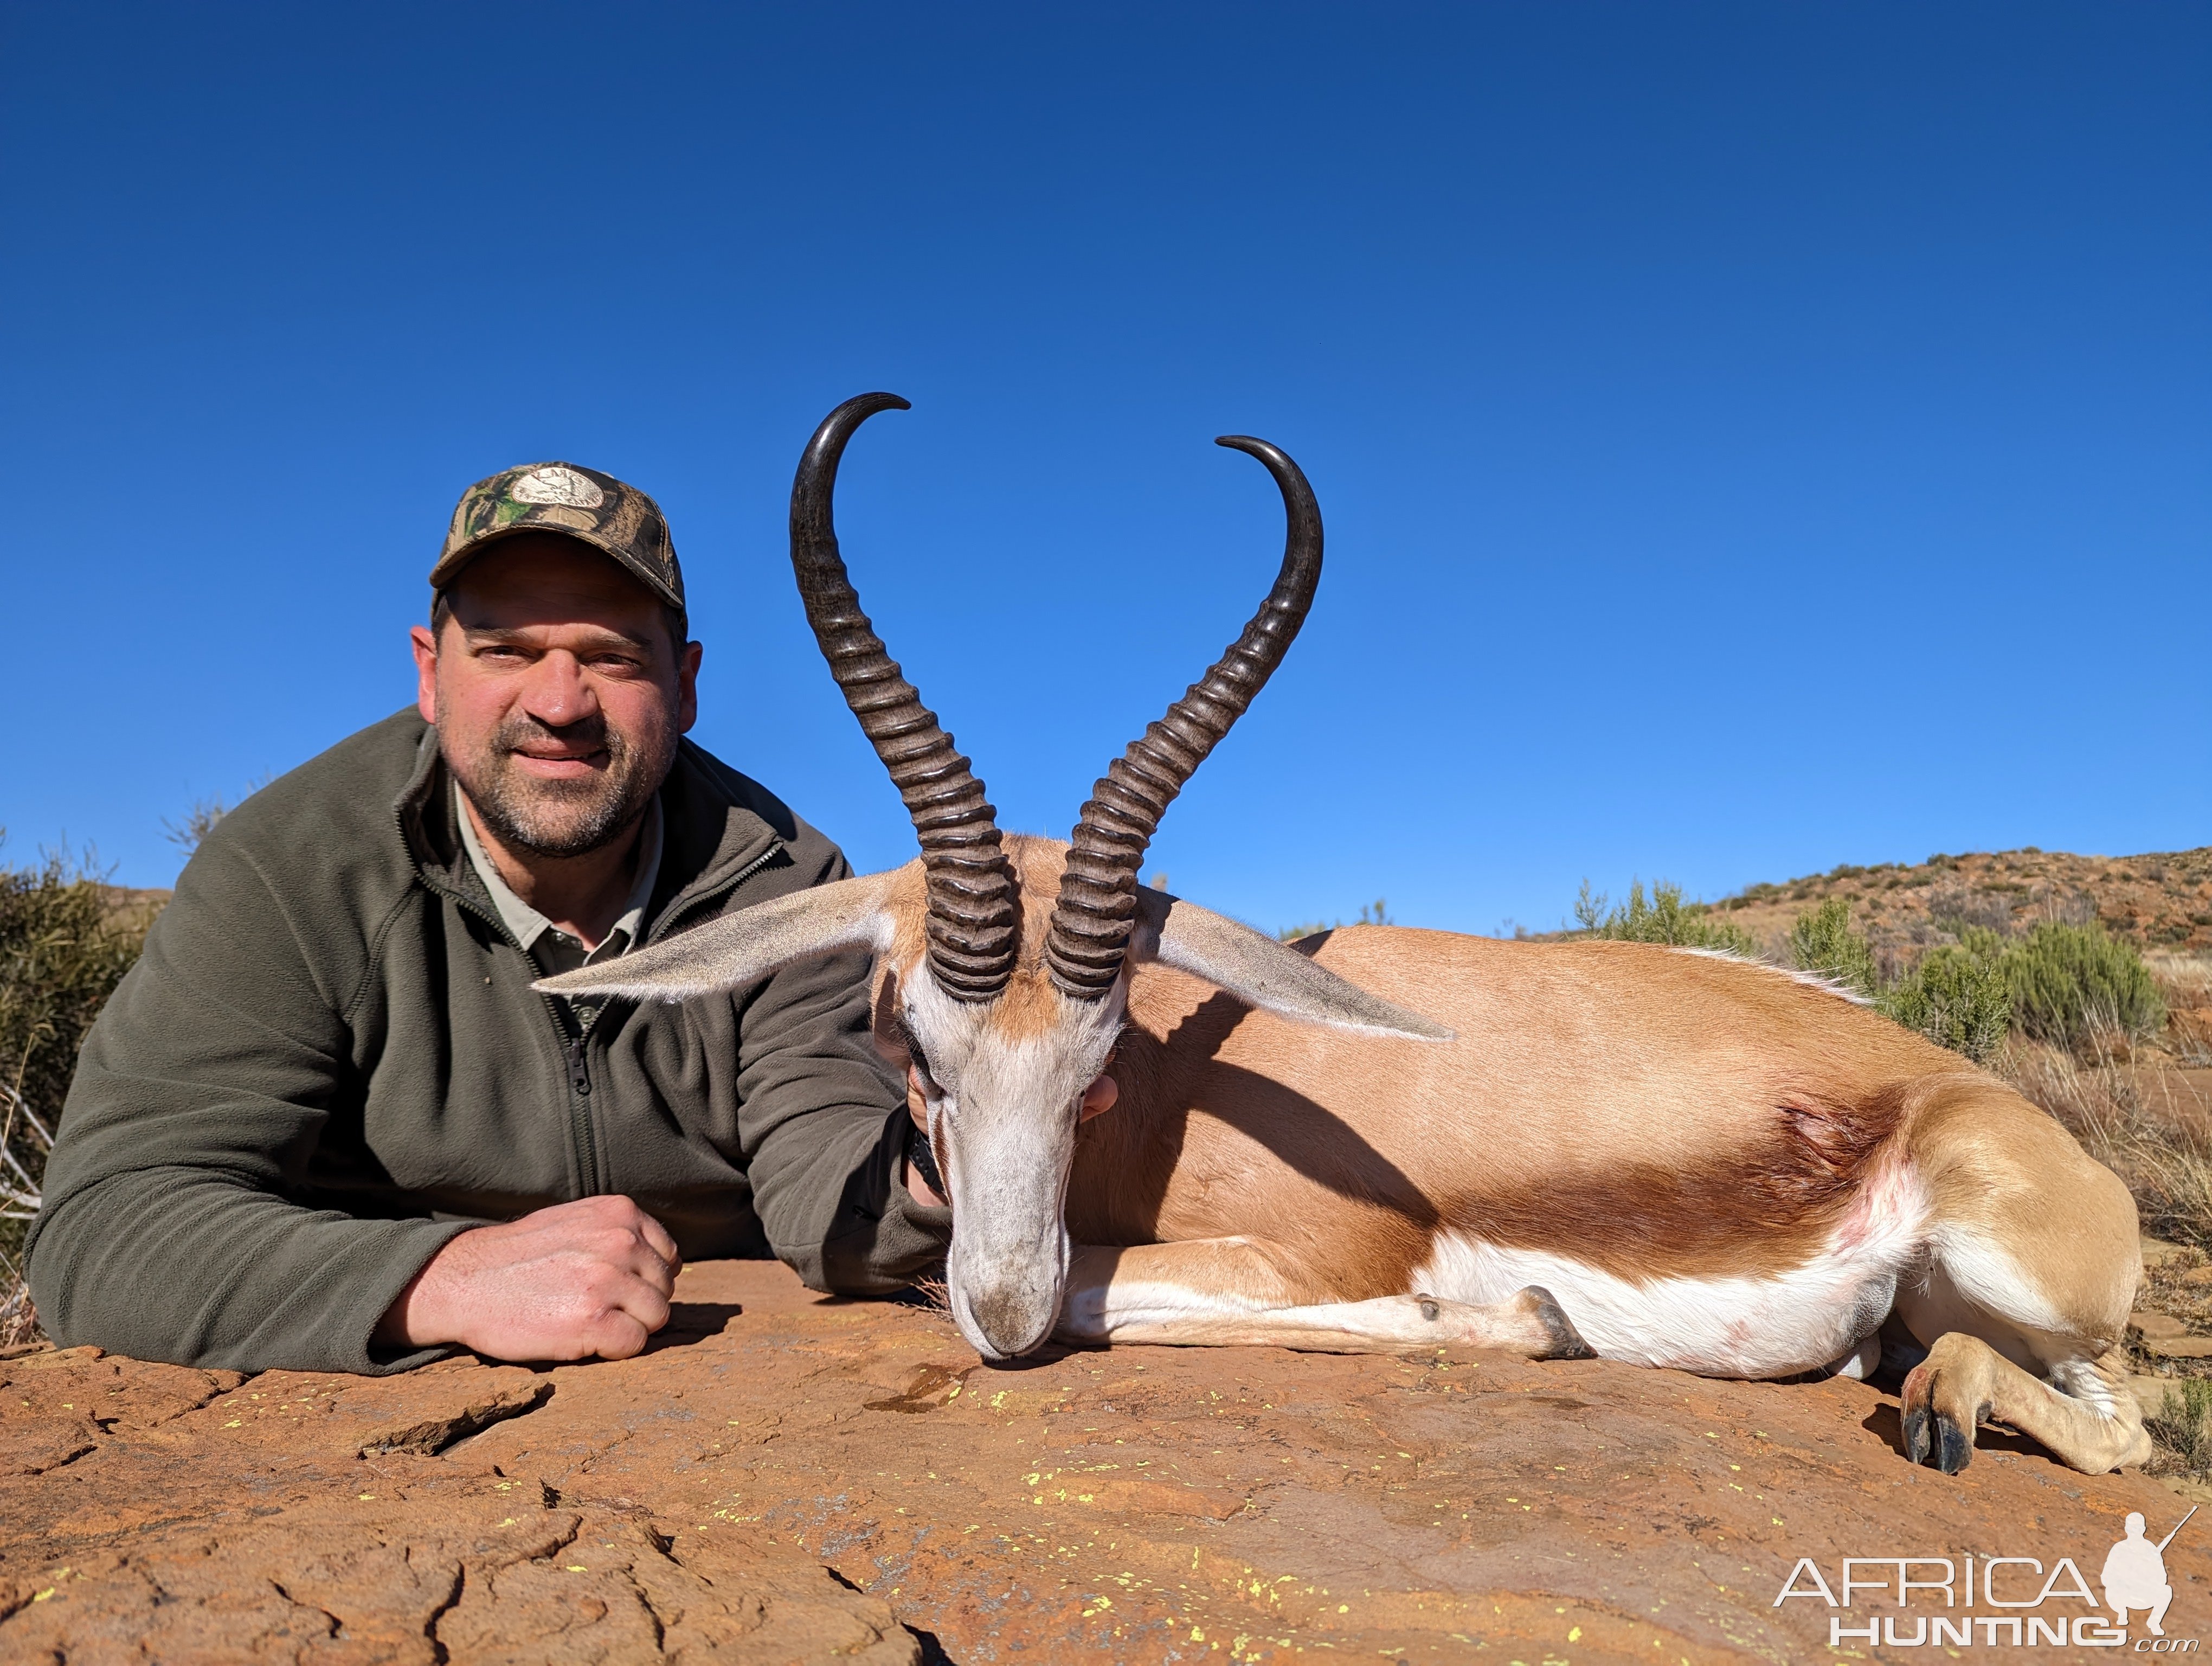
x: 1386, y: 1139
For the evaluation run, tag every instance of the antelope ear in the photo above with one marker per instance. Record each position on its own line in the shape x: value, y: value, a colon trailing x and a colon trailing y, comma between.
x: 741, y: 948
x: 1258, y: 970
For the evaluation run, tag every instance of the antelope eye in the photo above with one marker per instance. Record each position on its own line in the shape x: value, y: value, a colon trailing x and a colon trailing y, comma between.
x: 915, y: 1053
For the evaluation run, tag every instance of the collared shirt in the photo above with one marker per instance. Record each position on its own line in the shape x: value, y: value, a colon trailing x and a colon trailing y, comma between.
x: 554, y: 950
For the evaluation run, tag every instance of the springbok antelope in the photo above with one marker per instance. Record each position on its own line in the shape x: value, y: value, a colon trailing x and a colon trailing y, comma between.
x: 1386, y: 1139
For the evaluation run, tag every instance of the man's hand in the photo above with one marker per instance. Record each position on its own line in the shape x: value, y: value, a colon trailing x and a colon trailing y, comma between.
x: 592, y: 1277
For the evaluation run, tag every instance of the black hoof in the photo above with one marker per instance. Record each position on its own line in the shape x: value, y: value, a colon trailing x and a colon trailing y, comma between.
x: 1916, y: 1435
x: 1955, y: 1446
x: 1566, y: 1342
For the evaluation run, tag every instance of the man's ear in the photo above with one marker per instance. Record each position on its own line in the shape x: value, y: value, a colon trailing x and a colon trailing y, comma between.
x: 687, y: 686
x: 424, y: 641
x: 1257, y: 969
x: 741, y: 948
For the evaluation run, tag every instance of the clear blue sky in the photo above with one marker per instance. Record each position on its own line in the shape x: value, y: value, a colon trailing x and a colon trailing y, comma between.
x: 1751, y: 437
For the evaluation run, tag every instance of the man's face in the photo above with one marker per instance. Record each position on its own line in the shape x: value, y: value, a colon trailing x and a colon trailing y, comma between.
x: 558, y: 692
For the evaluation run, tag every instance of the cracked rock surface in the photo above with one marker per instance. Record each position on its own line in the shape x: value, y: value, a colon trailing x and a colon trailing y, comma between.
x: 785, y: 1477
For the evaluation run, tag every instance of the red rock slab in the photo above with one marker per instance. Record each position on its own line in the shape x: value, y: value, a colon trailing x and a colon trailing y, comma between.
x: 420, y: 1411
x: 443, y: 1572
x: 57, y: 1405
x: 1133, y: 1504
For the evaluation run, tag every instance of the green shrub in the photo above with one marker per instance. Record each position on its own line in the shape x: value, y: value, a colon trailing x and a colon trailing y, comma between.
x: 2181, y: 1427
x: 1663, y: 918
x: 1823, y: 942
x: 65, y: 945
x: 2071, y: 984
x: 2065, y: 983
x: 1958, y: 996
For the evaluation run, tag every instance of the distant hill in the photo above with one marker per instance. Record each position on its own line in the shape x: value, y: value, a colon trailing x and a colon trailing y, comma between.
x: 2162, y: 900
x: 134, y: 908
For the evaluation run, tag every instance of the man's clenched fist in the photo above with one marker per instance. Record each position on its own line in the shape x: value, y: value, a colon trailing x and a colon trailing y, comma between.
x: 592, y: 1277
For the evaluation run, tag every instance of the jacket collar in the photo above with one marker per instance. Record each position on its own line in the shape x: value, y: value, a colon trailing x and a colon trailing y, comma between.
x: 710, y: 838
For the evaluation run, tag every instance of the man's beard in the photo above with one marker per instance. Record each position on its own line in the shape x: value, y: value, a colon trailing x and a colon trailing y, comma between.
x: 561, y: 818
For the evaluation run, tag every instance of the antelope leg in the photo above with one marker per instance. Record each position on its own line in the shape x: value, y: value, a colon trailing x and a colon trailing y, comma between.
x: 2093, y: 1423
x: 1228, y: 1292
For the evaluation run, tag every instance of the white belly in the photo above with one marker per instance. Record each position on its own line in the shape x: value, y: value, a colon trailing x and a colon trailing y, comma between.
x: 1799, y: 1318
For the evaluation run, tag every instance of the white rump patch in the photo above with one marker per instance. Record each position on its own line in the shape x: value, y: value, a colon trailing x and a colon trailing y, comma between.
x: 1801, y: 1319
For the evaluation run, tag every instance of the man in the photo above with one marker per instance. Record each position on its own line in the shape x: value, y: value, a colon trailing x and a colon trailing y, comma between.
x: 329, y: 1070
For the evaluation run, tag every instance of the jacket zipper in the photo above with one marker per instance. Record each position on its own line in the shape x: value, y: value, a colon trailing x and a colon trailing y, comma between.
x: 583, y: 1143
x: 578, y: 1055
x: 582, y: 1147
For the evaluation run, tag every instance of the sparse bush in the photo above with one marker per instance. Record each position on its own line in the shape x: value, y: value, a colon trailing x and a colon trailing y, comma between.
x: 2184, y: 984
x: 2070, y: 982
x: 2163, y: 1152
x: 199, y: 821
x: 65, y: 945
x: 1956, y: 908
x: 2182, y: 1426
x: 1958, y: 997
x: 1823, y: 942
x: 2065, y: 983
x: 1663, y: 918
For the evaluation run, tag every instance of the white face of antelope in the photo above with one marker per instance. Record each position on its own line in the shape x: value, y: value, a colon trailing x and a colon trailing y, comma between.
x: 1003, y: 1085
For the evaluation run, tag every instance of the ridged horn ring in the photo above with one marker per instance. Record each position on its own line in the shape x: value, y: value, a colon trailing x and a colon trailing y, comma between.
x: 974, y: 926
x: 1097, y: 910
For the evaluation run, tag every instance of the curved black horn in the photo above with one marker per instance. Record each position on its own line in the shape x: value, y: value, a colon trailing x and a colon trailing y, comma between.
x: 1097, y: 906
x: 974, y: 929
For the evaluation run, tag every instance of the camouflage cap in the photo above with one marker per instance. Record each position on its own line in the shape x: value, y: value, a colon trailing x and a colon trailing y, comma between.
x: 577, y: 502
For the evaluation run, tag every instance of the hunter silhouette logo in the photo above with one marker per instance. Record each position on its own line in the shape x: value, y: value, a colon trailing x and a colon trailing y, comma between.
x: 2018, y: 1588
x: 2134, y: 1574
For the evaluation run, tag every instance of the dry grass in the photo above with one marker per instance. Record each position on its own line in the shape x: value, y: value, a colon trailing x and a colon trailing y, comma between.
x: 2126, y: 1098
x: 2185, y: 982
x: 66, y: 941
x: 2181, y: 1428
x: 2131, y: 1104
x: 933, y: 1294
x: 19, y: 1314
x: 2134, y: 1118
x: 19, y: 1201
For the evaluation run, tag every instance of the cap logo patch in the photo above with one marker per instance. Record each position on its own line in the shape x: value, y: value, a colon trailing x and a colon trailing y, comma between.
x: 554, y: 485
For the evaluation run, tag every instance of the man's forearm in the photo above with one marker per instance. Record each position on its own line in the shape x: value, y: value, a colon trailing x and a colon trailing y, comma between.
x: 197, y: 1268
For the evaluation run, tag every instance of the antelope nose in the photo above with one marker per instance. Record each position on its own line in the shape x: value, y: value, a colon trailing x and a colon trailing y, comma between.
x: 1014, y: 1320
